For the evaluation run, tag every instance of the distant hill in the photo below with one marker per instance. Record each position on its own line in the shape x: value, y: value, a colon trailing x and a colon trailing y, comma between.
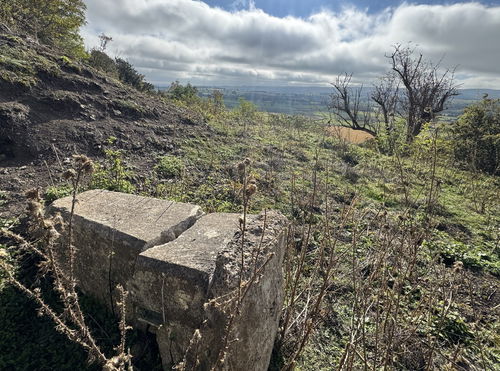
x: 313, y: 100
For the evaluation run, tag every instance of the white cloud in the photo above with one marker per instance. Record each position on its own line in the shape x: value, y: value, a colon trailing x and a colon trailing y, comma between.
x: 184, y: 39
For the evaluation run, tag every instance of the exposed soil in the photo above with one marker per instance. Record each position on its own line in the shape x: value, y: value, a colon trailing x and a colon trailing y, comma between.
x: 76, y: 109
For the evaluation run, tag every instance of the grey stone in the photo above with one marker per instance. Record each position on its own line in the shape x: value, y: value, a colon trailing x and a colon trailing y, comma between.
x: 183, y: 268
x: 183, y: 272
x: 111, y: 229
x: 256, y: 317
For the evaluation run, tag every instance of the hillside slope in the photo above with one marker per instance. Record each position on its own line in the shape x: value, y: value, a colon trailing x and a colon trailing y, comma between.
x: 52, y: 107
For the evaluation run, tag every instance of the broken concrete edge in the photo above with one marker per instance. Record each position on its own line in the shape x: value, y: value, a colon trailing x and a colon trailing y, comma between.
x: 175, y: 231
x: 194, y: 253
x: 262, y: 233
x: 257, y: 319
x: 183, y: 267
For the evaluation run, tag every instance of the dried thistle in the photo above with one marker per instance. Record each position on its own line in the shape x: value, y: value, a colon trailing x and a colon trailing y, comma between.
x: 71, y: 320
x: 458, y: 266
x: 88, y: 167
x: 251, y: 190
x: 32, y: 194
x: 69, y: 174
x: 80, y: 159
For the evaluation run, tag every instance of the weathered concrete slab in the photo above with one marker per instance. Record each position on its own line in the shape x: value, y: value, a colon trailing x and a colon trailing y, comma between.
x: 111, y: 229
x: 183, y: 268
x: 150, y: 220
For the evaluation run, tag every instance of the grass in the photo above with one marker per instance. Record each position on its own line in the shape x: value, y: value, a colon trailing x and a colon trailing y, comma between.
x: 289, y: 159
x: 169, y: 167
x: 20, y: 65
x: 284, y: 159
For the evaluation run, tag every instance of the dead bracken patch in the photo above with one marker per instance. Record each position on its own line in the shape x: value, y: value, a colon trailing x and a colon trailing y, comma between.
x: 348, y: 134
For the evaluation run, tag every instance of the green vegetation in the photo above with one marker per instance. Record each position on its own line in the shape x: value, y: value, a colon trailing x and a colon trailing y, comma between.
x: 393, y: 258
x: 442, y: 217
x: 112, y: 174
x: 477, y: 136
x: 21, y: 65
x: 179, y: 92
x: 410, y: 233
x: 54, y: 192
x: 169, y: 167
x: 129, y: 75
x: 101, y: 61
x: 52, y: 22
x: 119, y: 69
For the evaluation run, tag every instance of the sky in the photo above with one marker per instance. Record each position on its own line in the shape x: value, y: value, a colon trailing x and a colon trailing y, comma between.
x: 295, y: 42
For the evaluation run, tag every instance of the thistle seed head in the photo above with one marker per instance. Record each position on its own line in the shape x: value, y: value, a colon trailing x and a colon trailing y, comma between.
x: 69, y: 174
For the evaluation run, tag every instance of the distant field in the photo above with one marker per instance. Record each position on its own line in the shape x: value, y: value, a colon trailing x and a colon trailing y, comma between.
x: 352, y: 136
x: 311, y: 100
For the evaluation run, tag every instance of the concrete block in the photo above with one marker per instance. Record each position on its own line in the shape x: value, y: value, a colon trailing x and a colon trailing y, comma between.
x: 111, y: 229
x: 171, y: 281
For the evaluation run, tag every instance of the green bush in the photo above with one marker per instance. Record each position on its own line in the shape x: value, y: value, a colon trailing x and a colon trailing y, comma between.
x: 129, y: 75
x: 103, y: 62
x: 169, y: 167
x: 179, y: 92
x: 113, y: 174
x: 52, y: 22
x: 484, y: 257
x: 452, y: 329
x: 476, y: 136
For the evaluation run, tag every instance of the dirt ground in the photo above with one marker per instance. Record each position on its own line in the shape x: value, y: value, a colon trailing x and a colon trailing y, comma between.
x: 78, y: 110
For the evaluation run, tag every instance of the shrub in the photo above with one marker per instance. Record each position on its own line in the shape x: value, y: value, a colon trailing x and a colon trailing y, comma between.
x: 187, y: 94
x: 52, y: 22
x: 53, y: 193
x: 477, y: 136
x: 169, y: 167
x: 113, y: 174
x: 129, y: 75
x: 101, y: 61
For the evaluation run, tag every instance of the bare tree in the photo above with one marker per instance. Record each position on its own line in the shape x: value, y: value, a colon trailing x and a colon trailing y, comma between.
x: 103, y: 41
x: 427, y: 89
x: 345, y: 104
x: 385, y: 95
x: 415, y: 89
